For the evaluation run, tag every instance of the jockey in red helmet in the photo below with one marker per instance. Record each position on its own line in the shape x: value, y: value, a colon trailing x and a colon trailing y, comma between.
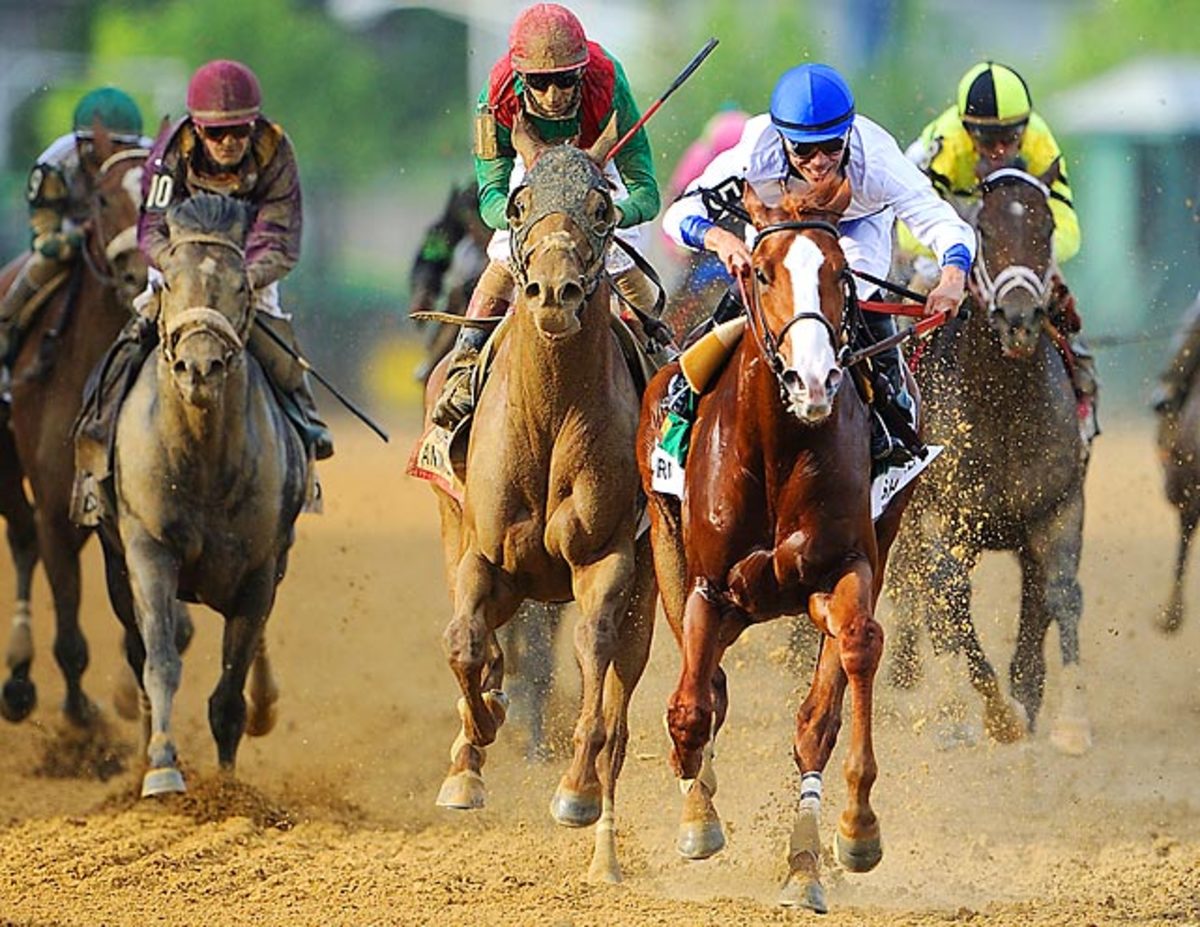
x: 225, y: 145
x: 562, y: 88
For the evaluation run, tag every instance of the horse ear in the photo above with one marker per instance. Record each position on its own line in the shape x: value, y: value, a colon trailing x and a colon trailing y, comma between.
x: 755, y: 206
x: 518, y: 207
x: 527, y: 144
x: 163, y: 126
x: 604, y: 144
x: 1053, y: 173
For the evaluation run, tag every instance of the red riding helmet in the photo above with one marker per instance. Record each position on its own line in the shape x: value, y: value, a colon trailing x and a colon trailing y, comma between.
x: 223, y: 93
x: 547, y: 38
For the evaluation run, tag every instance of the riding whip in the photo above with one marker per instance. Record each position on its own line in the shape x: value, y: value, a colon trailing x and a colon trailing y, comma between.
x: 305, y: 365
x: 675, y: 85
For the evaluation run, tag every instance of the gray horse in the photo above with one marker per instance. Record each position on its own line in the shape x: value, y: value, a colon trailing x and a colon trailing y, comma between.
x: 208, y: 479
x: 998, y: 395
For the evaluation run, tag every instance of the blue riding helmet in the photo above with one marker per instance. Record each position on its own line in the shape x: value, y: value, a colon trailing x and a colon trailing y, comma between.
x: 812, y: 103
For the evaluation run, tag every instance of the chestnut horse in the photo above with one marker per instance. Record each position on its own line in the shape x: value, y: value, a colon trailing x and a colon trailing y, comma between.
x: 776, y: 520
x: 550, y: 500
x: 998, y: 394
x: 66, y: 339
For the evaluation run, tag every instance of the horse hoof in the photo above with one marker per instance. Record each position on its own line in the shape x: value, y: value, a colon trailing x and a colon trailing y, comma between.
x: 463, y: 791
x: 1170, y: 618
x: 604, y: 869
x: 260, y: 721
x: 1072, y: 736
x: 858, y: 855
x: 18, y: 699
x: 127, y: 699
x: 575, y: 809
x: 162, y: 781
x: 803, y: 891
x: 700, y: 839
x: 81, y: 711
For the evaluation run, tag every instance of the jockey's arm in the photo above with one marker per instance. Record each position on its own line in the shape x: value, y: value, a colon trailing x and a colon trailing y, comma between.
x: 635, y: 163
x: 49, y: 197
x: 273, y: 242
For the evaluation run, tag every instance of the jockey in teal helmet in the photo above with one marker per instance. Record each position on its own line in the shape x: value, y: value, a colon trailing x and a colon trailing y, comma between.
x: 811, y: 132
x: 59, y: 188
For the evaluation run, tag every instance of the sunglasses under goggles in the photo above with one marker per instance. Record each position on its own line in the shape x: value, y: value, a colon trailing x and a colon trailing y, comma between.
x: 802, y: 151
x: 564, y: 80
x: 219, y: 133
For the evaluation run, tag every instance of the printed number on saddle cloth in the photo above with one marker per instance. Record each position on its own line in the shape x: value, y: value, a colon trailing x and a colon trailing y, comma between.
x: 885, y: 486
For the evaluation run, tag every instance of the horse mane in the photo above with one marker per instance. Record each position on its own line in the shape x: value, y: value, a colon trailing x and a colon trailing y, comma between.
x: 827, y: 199
x: 210, y: 214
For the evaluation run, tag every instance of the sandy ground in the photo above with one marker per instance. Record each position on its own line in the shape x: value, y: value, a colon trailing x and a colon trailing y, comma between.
x: 332, y: 819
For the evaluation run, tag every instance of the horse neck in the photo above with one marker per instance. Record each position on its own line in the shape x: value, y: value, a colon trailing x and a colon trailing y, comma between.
x: 552, y: 377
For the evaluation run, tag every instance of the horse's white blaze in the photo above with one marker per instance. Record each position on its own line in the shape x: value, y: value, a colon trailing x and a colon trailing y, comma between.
x: 812, y: 356
x: 208, y: 265
x: 132, y: 182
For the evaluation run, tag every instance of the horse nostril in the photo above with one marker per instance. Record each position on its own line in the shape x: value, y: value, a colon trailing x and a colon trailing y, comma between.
x: 833, y: 381
x: 180, y: 368
x: 533, y: 290
x: 793, y: 383
x: 570, y: 293
x: 215, y: 368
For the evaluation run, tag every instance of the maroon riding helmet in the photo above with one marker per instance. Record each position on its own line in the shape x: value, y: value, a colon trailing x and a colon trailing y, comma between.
x: 547, y: 38
x: 224, y: 93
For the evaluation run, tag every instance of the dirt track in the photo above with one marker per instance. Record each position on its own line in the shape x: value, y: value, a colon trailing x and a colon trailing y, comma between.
x: 332, y: 820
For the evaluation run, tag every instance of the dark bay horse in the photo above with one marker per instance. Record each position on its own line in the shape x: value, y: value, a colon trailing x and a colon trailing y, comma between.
x: 998, y: 395
x: 208, y: 478
x: 1179, y: 451
x: 550, y: 504
x: 776, y: 520
x: 66, y: 339
x: 19, y: 695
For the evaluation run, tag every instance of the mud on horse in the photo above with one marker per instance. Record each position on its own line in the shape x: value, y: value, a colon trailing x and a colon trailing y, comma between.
x: 998, y: 394
x: 775, y: 519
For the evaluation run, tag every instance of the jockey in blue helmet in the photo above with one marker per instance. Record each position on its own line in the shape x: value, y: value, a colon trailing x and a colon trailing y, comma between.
x: 811, y: 132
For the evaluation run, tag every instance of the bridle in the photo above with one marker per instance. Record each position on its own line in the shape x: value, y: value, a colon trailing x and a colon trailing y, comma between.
x: 840, y: 338
x: 203, y: 319
x: 125, y: 240
x: 993, y: 289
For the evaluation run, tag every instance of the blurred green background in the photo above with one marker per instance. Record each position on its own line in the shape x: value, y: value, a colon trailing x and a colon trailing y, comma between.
x: 377, y: 94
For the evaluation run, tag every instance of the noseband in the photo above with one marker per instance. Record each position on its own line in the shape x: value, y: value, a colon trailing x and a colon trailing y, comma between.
x: 768, y: 343
x: 203, y: 319
x: 993, y: 289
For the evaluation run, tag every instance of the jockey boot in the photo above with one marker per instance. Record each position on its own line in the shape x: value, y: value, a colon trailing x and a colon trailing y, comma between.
x: 286, y: 372
x: 457, y: 399
x: 1086, y: 387
x: 637, y: 289
x: 887, y: 448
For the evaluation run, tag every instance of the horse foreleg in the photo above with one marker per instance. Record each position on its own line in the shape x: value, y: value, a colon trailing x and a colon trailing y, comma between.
x: 240, y: 645
x: 602, y: 591
x: 59, y: 543
x: 633, y: 650
x: 1051, y: 557
x: 19, y: 695
x: 153, y: 578
x: 1171, y: 617
x: 483, y: 601
x: 690, y: 717
x: 817, y: 725
x: 860, y: 645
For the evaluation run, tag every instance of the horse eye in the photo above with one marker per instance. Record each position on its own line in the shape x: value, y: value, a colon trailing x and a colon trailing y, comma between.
x: 761, y: 276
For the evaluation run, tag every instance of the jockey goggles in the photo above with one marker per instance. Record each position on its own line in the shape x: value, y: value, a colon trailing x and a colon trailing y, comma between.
x: 997, y: 135
x: 218, y: 133
x: 802, y: 151
x: 541, y: 81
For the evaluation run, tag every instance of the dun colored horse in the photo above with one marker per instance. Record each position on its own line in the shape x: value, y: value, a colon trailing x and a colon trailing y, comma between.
x: 776, y: 520
x: 64, y: 342
x: 999, y: 396
x: 208, y: 479
x: 550, y: 503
